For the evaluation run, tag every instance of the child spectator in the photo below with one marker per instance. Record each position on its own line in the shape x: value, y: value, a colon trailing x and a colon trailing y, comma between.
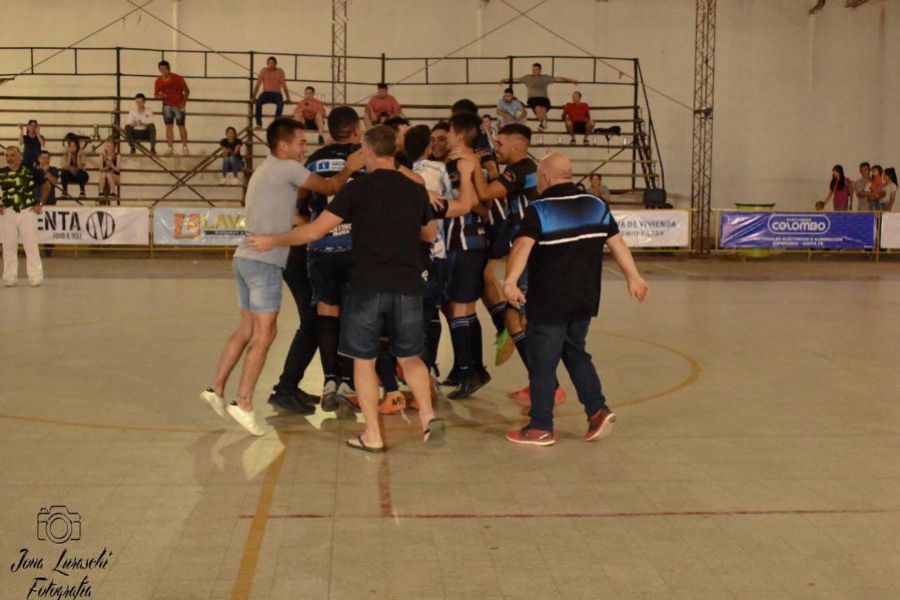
x: 875, y: 191
x: 110, y: 170
x: 232, y: 161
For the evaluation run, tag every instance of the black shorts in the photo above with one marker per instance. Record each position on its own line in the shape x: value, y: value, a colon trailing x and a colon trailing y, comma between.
x: 367, y: 316
x: 579, y: 127
x: 310, y: 124
x: 436, y: 287
x: 465, y: 275
x: 539, y: 101
x: 329, y: 273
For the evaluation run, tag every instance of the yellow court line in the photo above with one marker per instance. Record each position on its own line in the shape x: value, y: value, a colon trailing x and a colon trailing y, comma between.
x: 243, y: 583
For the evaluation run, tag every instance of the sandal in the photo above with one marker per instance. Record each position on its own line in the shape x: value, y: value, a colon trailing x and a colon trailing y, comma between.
x: 362, y: 446
x: 434, y: 435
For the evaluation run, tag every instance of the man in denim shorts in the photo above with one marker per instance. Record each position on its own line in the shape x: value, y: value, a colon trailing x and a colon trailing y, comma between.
x: 173, y: 90
x: 391, y: 217
x: 271, y: 208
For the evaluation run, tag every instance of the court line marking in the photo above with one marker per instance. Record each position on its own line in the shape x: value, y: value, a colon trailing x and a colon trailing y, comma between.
x: 243, y: 583
x: 604, y: 515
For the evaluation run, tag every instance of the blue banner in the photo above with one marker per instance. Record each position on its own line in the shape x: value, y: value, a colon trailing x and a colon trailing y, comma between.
x: 804, y: 231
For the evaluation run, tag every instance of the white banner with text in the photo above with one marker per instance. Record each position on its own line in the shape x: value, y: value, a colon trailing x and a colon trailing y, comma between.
x: 654, y: 228
x: 99, y: 225
x: 198, y: 226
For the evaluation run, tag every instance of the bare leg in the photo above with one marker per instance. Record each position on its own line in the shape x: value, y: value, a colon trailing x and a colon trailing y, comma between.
x: 320, y: 124
x: 570, y: 127
x: 170, y: 134
x: 541, y: 113
x: 264, y: 330
x: 182, y: 131
x: 232, y: 352
x: 419, y: 381
x: 367, y: 394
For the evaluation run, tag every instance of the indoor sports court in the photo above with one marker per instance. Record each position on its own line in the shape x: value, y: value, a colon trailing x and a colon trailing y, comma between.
x: 744, y: 334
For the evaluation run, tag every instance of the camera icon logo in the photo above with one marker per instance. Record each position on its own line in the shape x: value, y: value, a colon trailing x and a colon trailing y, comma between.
x: 58, y: 524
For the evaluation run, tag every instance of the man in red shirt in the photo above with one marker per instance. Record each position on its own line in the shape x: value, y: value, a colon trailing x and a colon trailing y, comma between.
x: 173, y: 91
x: 381, y: 107
x: 577, y: 115
x: 311, y: 112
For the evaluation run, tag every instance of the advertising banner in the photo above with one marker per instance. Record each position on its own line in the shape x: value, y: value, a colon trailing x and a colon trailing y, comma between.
x: 801, y: 231
x: 890, y: 231
x: 198, y: 226
x: 654, y: 228
x: 99, y: 225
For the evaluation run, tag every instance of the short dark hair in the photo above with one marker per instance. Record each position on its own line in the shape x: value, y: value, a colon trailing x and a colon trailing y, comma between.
x: 487, y: 116
x: 508, y: 91
x: 468, y: 125
x: 342, y: 121
x: 865, y: 164
x: 538, y: 65
x: 309, y: 87
x: 140, y: 95
x: 444, y: 125
x: 597, y: 175
x: 517, y: 129
x: 395, y: 123
x: 464, y: 106
x: 229, y: 128
x: 43, y: 152
x: 416, y: 141
x: 382, y: 140
x: 272, y: 58
x: 282, y: 129
x: 30, y: 121
x: 382, y: 86
x: 880, y: 170
x: 164, y: 63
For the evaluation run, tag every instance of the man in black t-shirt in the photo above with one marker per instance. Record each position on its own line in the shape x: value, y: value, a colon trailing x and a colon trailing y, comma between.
x: 391, y: 216
x: 561, y: 242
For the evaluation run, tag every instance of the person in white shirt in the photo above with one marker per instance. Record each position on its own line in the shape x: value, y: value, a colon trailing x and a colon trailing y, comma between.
x: 889, y: 189
x: 140, y: 126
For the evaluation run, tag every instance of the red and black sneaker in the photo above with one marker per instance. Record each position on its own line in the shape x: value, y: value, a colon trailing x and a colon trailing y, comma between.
x: 600, y: 425
x: 531, y: 437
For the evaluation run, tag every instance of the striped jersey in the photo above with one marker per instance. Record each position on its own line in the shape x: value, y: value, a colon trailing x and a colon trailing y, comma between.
x: 326, y: 162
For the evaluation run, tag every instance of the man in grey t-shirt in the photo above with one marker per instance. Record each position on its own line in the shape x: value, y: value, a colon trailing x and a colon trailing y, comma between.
x: 271, y: 208
x: 860, y: 185
x: 538, y: 96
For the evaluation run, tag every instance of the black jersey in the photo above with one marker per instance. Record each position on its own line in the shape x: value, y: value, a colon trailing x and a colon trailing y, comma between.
x: 328, y: 161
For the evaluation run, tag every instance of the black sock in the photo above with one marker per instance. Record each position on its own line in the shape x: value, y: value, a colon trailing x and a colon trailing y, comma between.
x: 477, y: 343
x: 327, y: 330
x: 346, y: 368
x: 432, y: 336
x: 498, y: 311
x: 462, y: 344
x: 386, y: 367
x: 519, y: 339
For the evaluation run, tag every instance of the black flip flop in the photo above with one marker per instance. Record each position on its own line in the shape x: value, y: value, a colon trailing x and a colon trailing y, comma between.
x: 362, y: 446
x: 434, y: 435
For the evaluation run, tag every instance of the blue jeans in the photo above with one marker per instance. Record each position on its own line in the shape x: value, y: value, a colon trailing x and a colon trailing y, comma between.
x: 366, y: 316
x: 269, y: 98
x: 233, y: 163
x: 547, y: 344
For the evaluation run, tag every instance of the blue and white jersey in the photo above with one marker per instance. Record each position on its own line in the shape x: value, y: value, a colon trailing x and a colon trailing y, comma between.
x: 437, y: 180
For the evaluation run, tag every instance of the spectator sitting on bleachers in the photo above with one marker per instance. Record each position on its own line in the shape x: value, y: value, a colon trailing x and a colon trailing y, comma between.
x: 140, y: 126
x: 73, y: 169
x: 32, y: 142
x: 381, y: 107
x: 50, y: 174
x: 838, y: 189
x: 232, y: 161
x: 510, y: 109
x: 173, y: 90
x: 272, y: 81
x: 577, y: 115
x: 110, y: 170
x: 597, y: 187
x: 538, y: 97
x: 311, y: 112
x: 890, y: 189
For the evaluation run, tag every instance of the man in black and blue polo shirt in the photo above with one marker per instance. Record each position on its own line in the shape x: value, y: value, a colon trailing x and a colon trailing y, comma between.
x: 328, y: 260
x: 561, y: 243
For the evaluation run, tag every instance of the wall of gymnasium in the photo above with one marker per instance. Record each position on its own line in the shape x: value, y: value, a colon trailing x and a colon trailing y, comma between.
x: 795, y: 93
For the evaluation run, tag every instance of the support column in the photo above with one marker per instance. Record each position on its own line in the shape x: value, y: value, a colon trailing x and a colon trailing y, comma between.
x: 702, y: 149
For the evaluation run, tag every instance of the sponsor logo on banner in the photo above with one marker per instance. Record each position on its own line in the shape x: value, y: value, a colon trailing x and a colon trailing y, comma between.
x: 198, y: 226
x: 806, y: 231
x: 82, y: 225
x: 654, y: 228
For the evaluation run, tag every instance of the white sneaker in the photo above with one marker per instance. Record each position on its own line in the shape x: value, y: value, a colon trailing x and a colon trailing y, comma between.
x: 184, y: 150
x: 224, y: 181
x: 215, y: 401
x: 35, y: 282
x: 170, y: 151
x: 346, y: 396
x: 9, y: 283
x: 247, y: 419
